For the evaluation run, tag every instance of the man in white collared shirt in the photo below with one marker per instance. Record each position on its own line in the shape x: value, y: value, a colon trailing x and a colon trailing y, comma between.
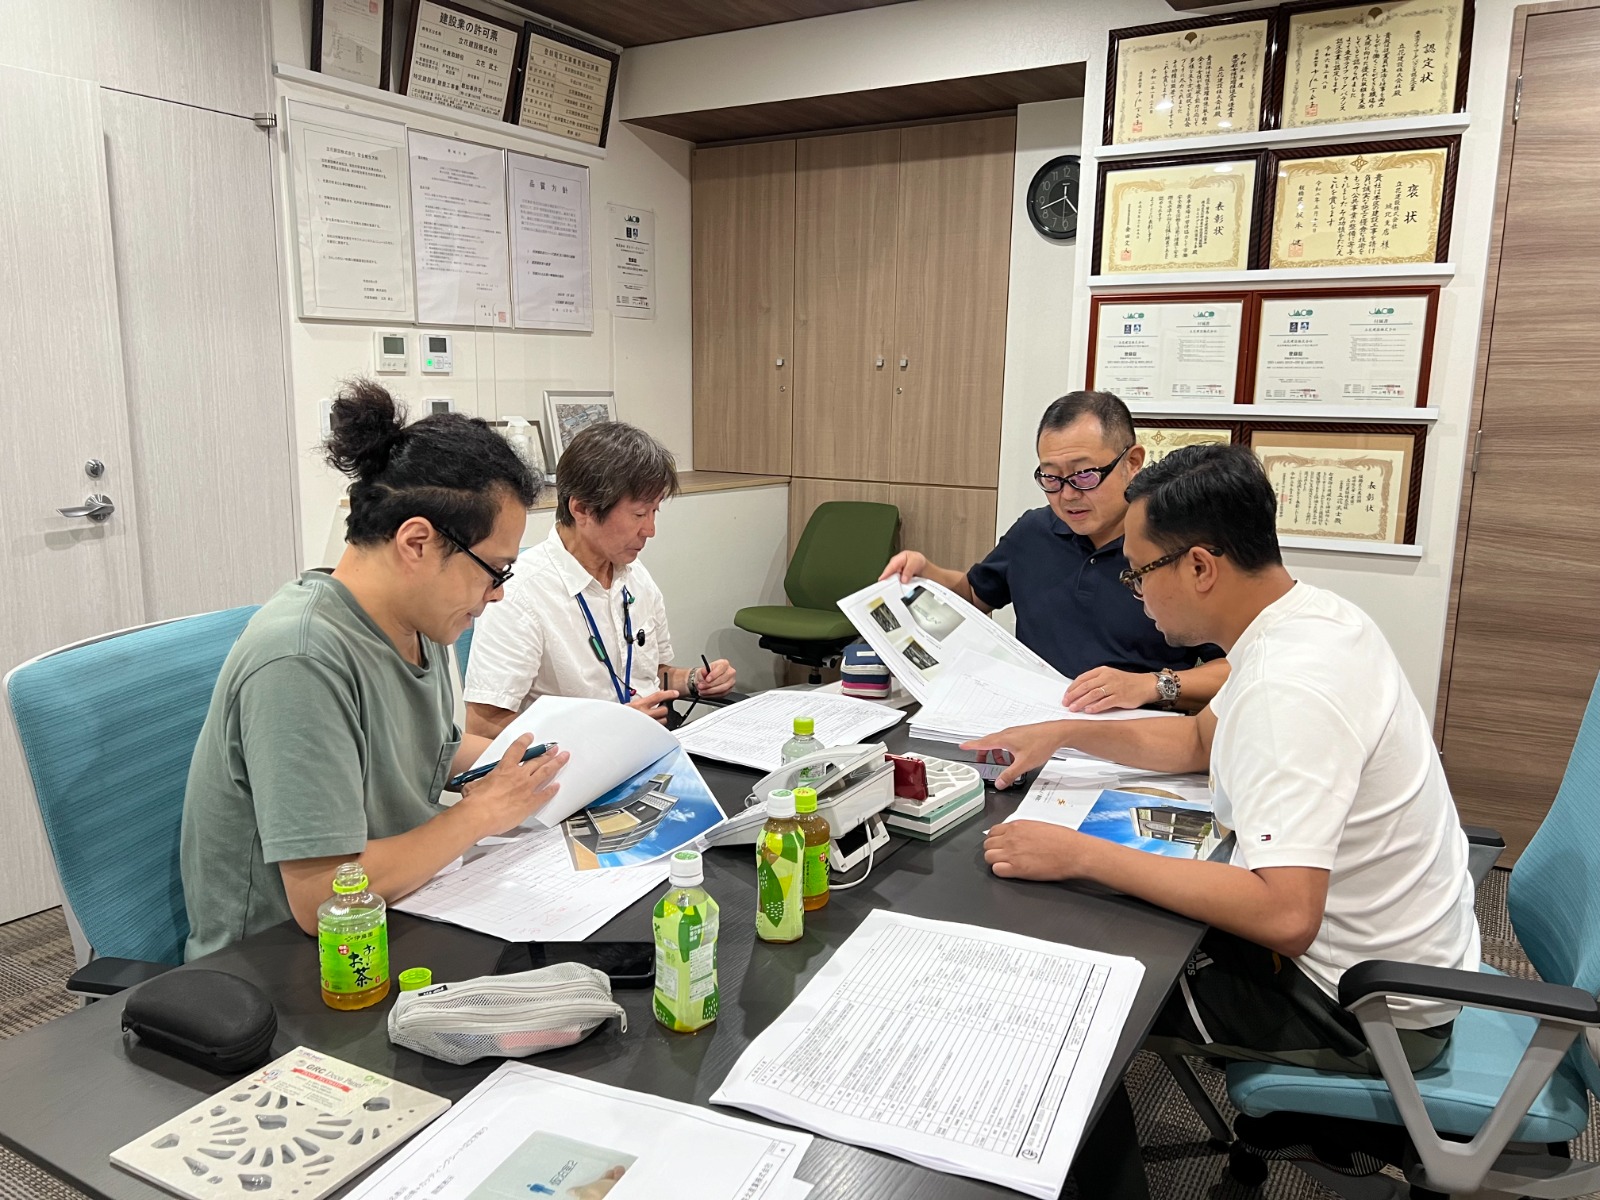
x: 582, y: 617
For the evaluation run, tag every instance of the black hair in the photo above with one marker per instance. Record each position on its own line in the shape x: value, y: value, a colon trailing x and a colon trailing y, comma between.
x: 1109, y: 410
x: 1214, y: 496
x: 449, y: 468
x: 609, y: 463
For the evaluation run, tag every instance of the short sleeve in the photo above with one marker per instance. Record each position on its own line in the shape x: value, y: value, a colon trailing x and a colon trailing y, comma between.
x: 991, y: 578
x: 507, y: 649
x: 662, y: 634
x: 1293, y: 765
x: 304, y: 759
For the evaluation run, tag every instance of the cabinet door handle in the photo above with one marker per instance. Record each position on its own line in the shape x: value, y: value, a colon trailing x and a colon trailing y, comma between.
x: 880, y: 362
x: 904, y: 363
x: 778, y: 362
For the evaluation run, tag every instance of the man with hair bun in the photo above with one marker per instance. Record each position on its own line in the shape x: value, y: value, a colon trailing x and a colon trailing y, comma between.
x: 586, y: 618
x: 330, y: 733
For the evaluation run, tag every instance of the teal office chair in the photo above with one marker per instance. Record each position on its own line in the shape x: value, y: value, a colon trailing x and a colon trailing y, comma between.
x: 464, y: 652
x: 845, y: 546
x: 1492, y: 1115
x: 107, y: 727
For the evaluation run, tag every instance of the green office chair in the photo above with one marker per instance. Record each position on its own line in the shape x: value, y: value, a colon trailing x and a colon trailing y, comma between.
x: 845, y: 546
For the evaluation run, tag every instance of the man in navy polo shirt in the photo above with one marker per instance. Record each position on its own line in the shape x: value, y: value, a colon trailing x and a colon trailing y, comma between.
x: 1060, y: 566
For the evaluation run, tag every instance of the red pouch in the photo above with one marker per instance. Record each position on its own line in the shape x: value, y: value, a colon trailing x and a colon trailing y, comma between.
x: 910, y: 777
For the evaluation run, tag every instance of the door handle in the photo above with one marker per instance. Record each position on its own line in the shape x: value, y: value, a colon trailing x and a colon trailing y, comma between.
x: 96, y: 507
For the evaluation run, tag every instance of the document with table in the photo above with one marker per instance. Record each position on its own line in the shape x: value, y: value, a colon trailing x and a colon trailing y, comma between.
x: 752, y: 732
x: 961, y: 1048
x: 526, y: 1132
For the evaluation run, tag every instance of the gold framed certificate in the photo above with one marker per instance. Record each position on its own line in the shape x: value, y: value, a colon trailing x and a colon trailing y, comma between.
x: 1346, y: 346
x: 1347, y: 482
x: 1185, y: 79
x: 1192, y: 215
x: 459, y: 58
x: 1379, y: 203
x: 1169, y: 349
x: 565, y: 85
x: 1161, y: 438
x: 1367, y: 62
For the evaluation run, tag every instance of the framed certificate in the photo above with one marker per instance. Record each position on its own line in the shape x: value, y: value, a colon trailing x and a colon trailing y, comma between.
x: 1366, y: 62
x: 1177, y: 214
x: 1348, y: 482
x: 1167, y: 349
x: 1377, y: 203
x: 564, y: 85
x: 1343, y: 346
x: 460, y: 59
x: 351, y: 39
x: 1161, y: 438
x: 1185, y: 79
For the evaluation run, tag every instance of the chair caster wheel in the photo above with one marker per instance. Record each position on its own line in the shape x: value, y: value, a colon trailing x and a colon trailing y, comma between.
x: 1245, y: 1168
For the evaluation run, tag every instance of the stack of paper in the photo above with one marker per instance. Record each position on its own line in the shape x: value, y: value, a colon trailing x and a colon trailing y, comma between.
x: 526, y: 1132
x: 964, y: 1049
x: 752, y: 732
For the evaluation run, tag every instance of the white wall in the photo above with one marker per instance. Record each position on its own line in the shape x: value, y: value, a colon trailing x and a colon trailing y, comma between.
x: 935, y: 39
x: 506, y: 372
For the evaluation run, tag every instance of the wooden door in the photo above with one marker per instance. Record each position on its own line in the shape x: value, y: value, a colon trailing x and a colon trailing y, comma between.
x: 743, y: 255
x: 62, y: 405
x: 1526, y: 645
x: 846, y: 206
x: 952, y: 270
x: 197, y: 267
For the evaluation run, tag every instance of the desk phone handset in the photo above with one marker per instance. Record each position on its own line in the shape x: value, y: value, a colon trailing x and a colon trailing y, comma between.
x: 856, y: 785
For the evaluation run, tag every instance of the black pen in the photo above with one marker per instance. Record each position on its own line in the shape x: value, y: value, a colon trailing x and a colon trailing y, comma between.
x: 477, y: 773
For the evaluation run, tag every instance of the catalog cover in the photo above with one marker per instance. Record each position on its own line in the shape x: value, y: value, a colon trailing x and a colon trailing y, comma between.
x: 298, y: 1128
x: 650, y: 814
x: 1151, y: 818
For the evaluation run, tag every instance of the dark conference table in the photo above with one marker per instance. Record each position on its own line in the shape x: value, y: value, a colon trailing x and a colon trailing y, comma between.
x: 76, y: 1088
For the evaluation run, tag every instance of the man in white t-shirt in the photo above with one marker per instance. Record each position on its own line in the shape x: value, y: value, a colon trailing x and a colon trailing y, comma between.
x: 582, y: 617
x: 1321, y: 760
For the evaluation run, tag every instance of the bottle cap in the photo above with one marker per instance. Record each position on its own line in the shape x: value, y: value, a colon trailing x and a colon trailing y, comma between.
x: 414, y: 979
x: 686, y: 869
x: 349, y: 879
x: 780, y: 804
x: 805, y: 726
x: 805, y: 800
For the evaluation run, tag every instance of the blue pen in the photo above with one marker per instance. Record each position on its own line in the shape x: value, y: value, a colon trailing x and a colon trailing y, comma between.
x: 477, y: 773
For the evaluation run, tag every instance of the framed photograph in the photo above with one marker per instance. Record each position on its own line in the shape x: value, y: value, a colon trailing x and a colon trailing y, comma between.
x: 1368, y: 62
x: 1374, y: 203
x: 459, y: 58
x: 565, y: 85
x: 351, y: 39
x: 1348, y: 346
x: 1188, y: 79
x: 1161, y: 438
x: 1346, y: 482
x: 1186, y: 213
x: 1171, y: 348
x: 571, y: 413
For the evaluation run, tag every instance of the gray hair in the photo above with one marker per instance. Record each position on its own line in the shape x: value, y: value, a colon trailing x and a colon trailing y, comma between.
x: 1116, y: 422
x: 609, y: 463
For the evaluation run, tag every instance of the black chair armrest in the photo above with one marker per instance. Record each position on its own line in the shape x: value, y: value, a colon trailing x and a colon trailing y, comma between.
x: 721, y: 701
x: 1482, y: 835
x: 1534, y: 997
x: 108, y: 976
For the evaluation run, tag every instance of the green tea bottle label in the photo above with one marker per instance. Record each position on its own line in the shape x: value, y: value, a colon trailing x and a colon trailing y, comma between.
x: 816, y: 870
x: 685, y: 926
x: 354, y: 962
x: 780, y: 915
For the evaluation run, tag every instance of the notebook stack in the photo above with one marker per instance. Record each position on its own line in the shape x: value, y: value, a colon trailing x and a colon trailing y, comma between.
x: 862, y: 673
x: 955, y: 792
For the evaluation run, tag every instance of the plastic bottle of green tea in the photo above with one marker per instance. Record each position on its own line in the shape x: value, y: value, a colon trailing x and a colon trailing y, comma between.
x: 818, y: 839
x: 780, y: 854
x: 353, y: 938
x: 685, y: 925
x: 803, y: 744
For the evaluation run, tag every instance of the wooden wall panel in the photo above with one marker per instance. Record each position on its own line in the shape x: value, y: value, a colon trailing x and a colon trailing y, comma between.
x: 954, y: 527
x: 743, y: 288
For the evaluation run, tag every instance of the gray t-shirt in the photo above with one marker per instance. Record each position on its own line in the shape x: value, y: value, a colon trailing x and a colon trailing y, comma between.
x: 319, y: 737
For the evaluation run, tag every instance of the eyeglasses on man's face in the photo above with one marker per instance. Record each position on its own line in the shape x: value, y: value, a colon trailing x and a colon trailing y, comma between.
x: 1133, y: 577
x: 498, y: 576
x: 1085, y: 480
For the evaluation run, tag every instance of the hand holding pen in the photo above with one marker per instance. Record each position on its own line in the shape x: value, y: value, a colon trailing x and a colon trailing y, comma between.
x: 513, y: 789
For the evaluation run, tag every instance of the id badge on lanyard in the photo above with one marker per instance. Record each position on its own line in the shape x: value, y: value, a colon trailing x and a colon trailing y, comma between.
x: 623, y: 686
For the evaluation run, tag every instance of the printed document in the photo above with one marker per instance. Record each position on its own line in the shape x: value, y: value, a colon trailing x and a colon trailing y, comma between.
x: 752, y: 732
x: 964, y: 1049
x: 526, y: 1132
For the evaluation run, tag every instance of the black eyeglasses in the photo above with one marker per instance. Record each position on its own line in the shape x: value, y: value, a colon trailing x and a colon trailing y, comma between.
x: 1079, y: 481
x: 499, y: 576
x: 1133, y: 577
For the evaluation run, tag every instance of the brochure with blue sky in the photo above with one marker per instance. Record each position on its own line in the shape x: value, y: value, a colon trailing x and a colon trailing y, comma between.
x: 651, y: 813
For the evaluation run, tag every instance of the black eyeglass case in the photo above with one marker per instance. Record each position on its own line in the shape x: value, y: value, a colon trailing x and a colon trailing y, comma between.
x: 208, y: 1018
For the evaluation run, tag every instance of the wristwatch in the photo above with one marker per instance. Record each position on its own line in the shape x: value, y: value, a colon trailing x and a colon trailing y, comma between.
x: 1168, y: 685
x: 694, y: 684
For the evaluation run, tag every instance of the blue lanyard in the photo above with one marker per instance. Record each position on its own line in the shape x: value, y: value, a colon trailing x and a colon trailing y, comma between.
x: 597, y: 644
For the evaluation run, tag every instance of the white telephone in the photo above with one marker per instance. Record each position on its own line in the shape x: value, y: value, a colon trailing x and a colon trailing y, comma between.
x: 856, y: 785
